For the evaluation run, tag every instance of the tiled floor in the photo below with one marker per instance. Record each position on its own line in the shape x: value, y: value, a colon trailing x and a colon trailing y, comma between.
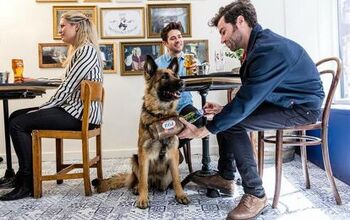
x: 67, y: 201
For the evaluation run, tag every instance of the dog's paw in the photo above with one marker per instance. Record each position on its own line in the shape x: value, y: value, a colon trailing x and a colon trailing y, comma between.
x: 142, y: 203
x: 182, y: 199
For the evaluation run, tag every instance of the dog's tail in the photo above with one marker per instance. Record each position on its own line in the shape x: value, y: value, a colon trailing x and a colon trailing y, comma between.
x: 118, y: 181
x: 115, y: 182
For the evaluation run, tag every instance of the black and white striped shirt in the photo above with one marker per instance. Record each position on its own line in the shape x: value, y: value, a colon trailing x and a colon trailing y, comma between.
x: 84, y: 65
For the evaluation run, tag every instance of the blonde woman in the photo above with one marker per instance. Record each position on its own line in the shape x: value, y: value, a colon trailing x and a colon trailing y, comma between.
x: 63, y: 110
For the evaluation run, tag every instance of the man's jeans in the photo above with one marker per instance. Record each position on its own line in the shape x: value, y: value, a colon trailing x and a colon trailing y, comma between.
x: 234, y: 143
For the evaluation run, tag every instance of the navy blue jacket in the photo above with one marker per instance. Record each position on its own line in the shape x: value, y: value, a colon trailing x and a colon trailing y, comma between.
x: 276, y: 70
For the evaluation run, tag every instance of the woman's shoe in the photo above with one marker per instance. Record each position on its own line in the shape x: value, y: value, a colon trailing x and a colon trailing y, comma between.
x: 7, y: 182
x: 18, y: 193
x: 23, y: 188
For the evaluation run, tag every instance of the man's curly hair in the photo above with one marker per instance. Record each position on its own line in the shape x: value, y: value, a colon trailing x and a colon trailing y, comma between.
x: 231, y: 11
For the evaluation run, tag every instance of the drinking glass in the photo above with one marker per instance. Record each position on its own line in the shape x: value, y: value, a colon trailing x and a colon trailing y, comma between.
x: 219, y: 60
x: 17, y: 67
x: 188, y: 62
x: 4, y: 77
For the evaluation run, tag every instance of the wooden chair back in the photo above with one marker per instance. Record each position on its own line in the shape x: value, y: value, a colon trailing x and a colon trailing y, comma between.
x: 90, y: 92
x: 324, y: 67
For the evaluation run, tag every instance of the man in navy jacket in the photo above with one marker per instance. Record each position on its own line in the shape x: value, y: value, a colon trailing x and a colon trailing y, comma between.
x: 281, y: 87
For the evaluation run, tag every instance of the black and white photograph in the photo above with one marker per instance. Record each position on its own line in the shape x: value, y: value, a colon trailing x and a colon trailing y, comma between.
x: 122, y: 22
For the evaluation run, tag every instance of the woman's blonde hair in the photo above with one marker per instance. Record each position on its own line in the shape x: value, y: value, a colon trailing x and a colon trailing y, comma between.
x: 86, y: 32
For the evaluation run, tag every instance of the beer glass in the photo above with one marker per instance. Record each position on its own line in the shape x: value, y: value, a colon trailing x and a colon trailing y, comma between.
x: 4, y: 77
x: 17, y: 67
x: 188, y: 62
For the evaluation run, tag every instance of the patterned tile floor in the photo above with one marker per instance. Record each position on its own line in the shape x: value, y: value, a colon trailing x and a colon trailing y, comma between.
x: 67, y: 201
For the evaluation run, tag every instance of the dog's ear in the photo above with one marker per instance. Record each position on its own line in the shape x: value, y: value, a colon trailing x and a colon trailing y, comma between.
x: 174, y: 65
x: 150, y: 67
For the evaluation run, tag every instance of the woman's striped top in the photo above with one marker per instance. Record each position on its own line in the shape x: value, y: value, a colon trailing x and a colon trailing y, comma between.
x: 84, y: 65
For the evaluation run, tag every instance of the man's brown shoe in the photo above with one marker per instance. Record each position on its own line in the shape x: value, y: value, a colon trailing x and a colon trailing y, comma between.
x: 216, y: 182
x: 250, y: 207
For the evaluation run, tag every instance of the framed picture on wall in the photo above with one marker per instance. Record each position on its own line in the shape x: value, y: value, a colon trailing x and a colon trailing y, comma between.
x: 197, y: 47
x: 128, y: 22
x: 52, y: 55
x: 133, y: 56
x: 56, y: 0
x: 108, y: 54
x: 89, y: 11
x: 159, y: 15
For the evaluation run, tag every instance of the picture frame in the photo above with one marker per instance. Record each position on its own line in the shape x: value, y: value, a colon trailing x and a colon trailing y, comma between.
x: 133, y: 55
x: 52, y: 55
x: 56, y: 1
x: 199, y: 48
x: 159, y: 15
x: 109, y: 57
x: 57, y: 11
x: 122, y: 22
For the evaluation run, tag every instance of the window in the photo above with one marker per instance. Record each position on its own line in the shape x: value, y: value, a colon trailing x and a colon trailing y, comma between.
x: 344, y: 47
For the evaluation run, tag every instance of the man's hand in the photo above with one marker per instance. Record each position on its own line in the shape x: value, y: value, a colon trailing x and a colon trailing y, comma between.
x: 211, y: 108
x: 192, y: 131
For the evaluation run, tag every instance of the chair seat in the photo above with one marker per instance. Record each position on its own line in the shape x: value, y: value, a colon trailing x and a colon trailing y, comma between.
x: 314, y: 126
x: 64, y: 134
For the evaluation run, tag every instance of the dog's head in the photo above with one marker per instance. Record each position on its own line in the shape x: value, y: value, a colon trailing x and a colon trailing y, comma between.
x: 164, y: 82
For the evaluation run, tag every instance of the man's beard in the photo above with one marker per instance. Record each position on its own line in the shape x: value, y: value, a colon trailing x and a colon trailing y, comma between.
x: 234, y: 42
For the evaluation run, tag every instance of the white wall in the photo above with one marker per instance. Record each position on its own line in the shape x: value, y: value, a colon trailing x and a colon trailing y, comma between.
x: 24, y: 24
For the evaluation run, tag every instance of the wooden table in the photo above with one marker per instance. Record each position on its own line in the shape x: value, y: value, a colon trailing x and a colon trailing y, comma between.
x: 203, y: 84
x: 23, y: 90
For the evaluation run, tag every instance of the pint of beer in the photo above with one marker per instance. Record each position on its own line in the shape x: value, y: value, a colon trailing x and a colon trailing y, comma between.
x: 188, y: 62
x: 17, y: 67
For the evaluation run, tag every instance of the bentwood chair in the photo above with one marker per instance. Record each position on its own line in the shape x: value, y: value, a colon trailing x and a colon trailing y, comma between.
x: 299, y: 137
x: 90, y: 92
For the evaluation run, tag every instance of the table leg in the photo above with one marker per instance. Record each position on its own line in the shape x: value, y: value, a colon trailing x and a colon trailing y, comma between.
x: 205, y: 171
x: 8, y: 178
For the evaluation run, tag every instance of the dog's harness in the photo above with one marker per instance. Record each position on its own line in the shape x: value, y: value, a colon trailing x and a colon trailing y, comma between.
x: 165, y: 141
x: 162, y: 152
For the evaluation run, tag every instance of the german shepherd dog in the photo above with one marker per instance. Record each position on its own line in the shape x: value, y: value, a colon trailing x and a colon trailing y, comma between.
x: 157, y: 161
